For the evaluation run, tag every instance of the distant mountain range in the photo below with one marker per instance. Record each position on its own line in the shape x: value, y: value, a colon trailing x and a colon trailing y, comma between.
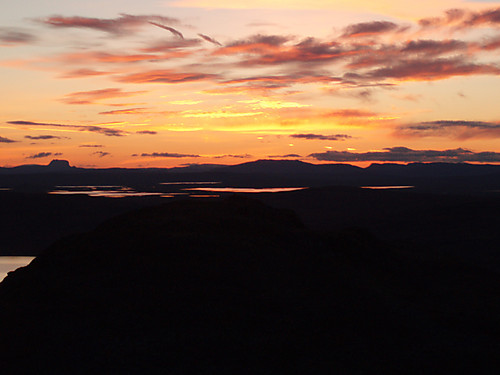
x: 264, y: 173
x: 54, y: 166
x: 279, y: 167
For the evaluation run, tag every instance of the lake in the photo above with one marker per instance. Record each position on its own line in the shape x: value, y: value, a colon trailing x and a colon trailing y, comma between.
x: 8, y: 264
x: 165, y: 190
x: 248, y: 190
x: 388, y: 187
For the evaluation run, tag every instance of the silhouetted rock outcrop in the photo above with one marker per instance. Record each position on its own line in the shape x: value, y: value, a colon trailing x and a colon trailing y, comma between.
x: 236, y: 287
x: 57, y: 164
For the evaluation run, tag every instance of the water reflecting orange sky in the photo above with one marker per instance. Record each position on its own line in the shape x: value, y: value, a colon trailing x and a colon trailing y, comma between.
x: 11, y: 263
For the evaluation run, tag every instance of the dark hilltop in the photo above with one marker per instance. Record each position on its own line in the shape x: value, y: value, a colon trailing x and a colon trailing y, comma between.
x: 334, y: 278
x: 234, y: 286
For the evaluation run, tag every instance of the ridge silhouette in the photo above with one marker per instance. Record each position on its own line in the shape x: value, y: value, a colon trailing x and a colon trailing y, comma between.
x: 234, y: 286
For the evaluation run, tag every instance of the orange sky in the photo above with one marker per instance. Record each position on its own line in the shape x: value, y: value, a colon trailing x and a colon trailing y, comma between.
x: 167, y: 83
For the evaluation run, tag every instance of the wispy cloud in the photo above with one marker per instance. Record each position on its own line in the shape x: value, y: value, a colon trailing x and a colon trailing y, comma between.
x: 168, y: 28
x: 431, y: 70
x: 95, y: 96
x: 185, y: 102
x: 451, y: 17
x: 460, y: 19
x: 271, y: 50
x: 209, y: 39
x: 286, y: 156
x: 114, y: 58
x: 322, y: 137
x: 164, y: 76
x: 171, y: 45
x: 371, y: 28
x: 459, y: 129
x: 272, y: 104
x: 83, y: 73
x: 254, y: 44
x: 235, y: 156
x: 391, y: 55
x: 276, y: 71
x: 350, y: 113
x: 85, y: 128
x: 128, y: 111
x: 101, y: 154
x: 43, y: 137
x: 285, y: 80
x: 168, y: 155
x: 41, y: 155
x: 404, y: 154
x: 434, y: 47
x: 264, y: 85
x: 91, y: 146
x: 365, y: 62
x: 13, y: 37
x: 122, y: 25
x: 6, y: 140
x: 219, y: 114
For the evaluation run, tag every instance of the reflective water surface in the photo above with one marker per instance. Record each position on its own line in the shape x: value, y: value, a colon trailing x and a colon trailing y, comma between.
x: 387, y: 187
x: 8, y: 264
x: 192, y: 183
x: 176, y: 189
x: 109, y: 191
x: 248, y: 190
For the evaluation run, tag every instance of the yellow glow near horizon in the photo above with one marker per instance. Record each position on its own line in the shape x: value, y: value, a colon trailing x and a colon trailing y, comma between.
x: 219, y: 114
x: 247, y: 80
x: 272, y: 104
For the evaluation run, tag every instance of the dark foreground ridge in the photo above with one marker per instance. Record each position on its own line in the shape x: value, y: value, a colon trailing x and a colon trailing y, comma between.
x: 236, y: 287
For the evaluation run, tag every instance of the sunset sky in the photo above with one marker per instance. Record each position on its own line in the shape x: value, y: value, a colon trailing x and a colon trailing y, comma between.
x: 163, y: 83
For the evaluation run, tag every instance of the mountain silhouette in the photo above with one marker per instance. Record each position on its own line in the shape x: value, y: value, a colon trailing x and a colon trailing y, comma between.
x: 234, y: 286
x: 55, y: 165
x: 59, y: 164
x: 435, y: 177
x: 288, y: 167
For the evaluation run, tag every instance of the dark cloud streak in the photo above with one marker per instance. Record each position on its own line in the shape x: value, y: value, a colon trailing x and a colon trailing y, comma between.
x: 122, y: 25
x: 460, y: 19
x: 404, y: 154
x: 460, y: 129
x: 370, y: 29
x: 89, y: 128
x: 42, y: 137
x: 168, y: 28
x: 164, y: 76
x: 12, y: 37
x: 284, y: 156
x: 209, y: 39
x: 40, y: 155
x: 432, y: 69
x: 169, y: 155
x: 101, y: 154
x: 93, y: 96
x: 321, y: 137
x: 237, y: 156
x: 6, y: 140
